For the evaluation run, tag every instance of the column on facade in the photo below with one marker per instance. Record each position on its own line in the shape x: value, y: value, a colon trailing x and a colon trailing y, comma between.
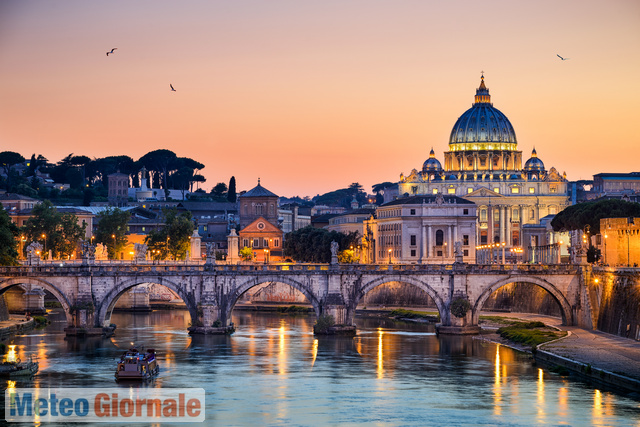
x: 502, y: 224
x: 508, y: 225
x: 490, y: 224
x: 450, y: 241
x: 456, y: 237
x: 423, y: 242
x: 429, y: 242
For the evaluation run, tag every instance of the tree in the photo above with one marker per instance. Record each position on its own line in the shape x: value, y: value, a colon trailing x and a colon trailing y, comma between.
x: 576, y: 217
x: 173, y: 238
x: 8, y: 159
x: 311, y: 244
x: 161, y: 161
x: 246, y: 254
x: 58, y: 232
x: 231, y: 193
x: 219, y: 191
x: 111, y: 230
x: 8, y: 239
x: 182, y: 179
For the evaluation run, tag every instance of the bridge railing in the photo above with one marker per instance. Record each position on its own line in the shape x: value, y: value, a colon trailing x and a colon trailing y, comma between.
x: 64, y: 268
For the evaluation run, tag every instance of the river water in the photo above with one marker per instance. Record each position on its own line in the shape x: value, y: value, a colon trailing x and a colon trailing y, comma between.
x: 274, y: 371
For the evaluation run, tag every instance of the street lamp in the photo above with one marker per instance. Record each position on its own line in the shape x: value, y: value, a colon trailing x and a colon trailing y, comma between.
x: 44, y: 250
x: 389, y: 256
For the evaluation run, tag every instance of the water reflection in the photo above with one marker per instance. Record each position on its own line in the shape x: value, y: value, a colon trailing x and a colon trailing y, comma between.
x: 273, y: 370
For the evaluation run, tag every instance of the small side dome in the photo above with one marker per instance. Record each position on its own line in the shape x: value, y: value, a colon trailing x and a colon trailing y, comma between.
x: 431, y: 164
x: 534, y: 164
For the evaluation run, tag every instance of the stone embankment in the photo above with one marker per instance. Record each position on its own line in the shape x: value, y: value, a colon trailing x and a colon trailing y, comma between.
x: 593, y: 355
x: 15, y: 325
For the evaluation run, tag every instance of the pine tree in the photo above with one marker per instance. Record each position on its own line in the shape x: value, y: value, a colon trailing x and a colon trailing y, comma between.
x: 231, y: 192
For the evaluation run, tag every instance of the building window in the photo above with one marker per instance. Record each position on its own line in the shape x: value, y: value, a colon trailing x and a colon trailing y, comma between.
x: 532, y: 190
x: 435, y: 191
x: 414, y: 189
x: 532, y: 214
x: 413, y: 240
x: 465, y: 240
x: 144, y: 228
x: 483, y: 215
x: 496, y: 190
x: 259, y: 209
x: 451, y: 191
x: 469, y: 190
x: 413, y: 211
x: 276, y: 243
x: 465, y: 211
x: 265, y: 243
x: 515, y: 190
x: 553, y: 189
x: 515, y: 214
x: 256, y: 242
x: 246, y: 243
x: 204, y: 228
x: 413, y: 252
x: 496, y: 215
x: 466, y: 252
x: 439, y: 237
x: 552, y: 210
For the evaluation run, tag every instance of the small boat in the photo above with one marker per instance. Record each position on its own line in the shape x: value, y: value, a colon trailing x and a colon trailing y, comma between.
x: 14, y: 367
x: 137, y: 366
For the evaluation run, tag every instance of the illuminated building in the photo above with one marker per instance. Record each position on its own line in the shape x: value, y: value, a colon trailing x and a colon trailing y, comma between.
x: 483, y: 165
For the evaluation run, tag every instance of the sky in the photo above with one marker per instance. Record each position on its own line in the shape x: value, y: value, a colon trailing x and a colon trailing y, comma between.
x: 311, y: 96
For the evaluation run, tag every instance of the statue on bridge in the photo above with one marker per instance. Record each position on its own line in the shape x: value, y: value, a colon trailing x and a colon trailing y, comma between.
x: 33, y: 252
x: 334, y: 252
x: 88, y: 252
x: 211, y: 253
x: 140, y: 251
x: 101, y: 253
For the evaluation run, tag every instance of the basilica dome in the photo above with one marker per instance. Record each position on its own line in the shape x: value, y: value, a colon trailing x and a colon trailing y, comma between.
x: 534, y: 163
x: 483, y: 127
x: 431, y: 164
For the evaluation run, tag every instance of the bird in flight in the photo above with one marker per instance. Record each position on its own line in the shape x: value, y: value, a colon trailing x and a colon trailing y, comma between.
x: 111, y: 51
x: 172, y: 89
x: 564, y: 59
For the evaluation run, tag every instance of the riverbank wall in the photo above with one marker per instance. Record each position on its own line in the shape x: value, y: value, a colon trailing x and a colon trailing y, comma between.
x: 588, y: 372
x: 615, y: 297
x: 14, y: 326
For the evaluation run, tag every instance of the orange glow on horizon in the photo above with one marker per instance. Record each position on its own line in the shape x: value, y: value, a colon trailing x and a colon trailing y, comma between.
x: 283, y: 92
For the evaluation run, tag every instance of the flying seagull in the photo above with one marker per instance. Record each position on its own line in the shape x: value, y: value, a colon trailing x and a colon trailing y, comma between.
x: 564, y: 59
x: 111, y: 51
x: 172, y: 89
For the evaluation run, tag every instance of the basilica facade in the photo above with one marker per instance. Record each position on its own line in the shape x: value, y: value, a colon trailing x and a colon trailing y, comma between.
x: 483, y: 165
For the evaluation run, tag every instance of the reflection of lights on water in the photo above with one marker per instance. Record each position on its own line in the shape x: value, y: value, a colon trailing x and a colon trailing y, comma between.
x: 314, y: 351
x: 380, y: 367
x: 282, y: 353
x: 11, y: 355
x: 540, y: 395
x: 497, y: 392
x: 563, y: 401
x: 597, y: 404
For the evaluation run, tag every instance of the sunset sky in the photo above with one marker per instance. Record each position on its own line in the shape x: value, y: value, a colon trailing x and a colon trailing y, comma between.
x: 311, y: 96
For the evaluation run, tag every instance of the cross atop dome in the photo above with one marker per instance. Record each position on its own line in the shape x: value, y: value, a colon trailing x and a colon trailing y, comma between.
x: 482, y: 93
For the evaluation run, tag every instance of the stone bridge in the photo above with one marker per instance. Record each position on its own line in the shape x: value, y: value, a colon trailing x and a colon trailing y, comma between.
x: 88, y: 293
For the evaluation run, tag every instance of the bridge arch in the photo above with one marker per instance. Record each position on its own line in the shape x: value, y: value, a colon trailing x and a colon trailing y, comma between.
x: 233, y: 297
x: 60, y: 296
x: 410, y: 280
x: 565, y: 307
x: 105, y: 308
